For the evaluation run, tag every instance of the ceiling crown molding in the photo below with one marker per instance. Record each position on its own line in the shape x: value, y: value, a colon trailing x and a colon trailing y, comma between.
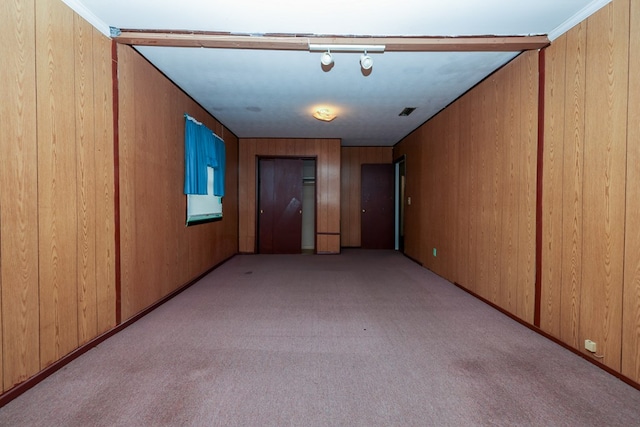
x: 89, y: 16
x: 583, y: 14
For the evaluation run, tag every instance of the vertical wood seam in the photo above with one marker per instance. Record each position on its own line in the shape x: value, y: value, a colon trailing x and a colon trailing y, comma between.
x: 539, y: 189
x: 116, y: 182
x: 626, y: 193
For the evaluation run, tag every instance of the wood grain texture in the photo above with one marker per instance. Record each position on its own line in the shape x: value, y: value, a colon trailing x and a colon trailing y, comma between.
x: 352, y: 158
x: 509, y: 111
x: 604, y: 179
x: 631, y: 297
x: 57, y: 199
x: 104, y: 183
x: 528, y: 68
x: 85, y: 181
x: 572, y: 200
x: 127, y: 137
x: 18, y: 196
x: 159, y: 254
x: 463, y: 201
x: 476, y: 192
x: 552, y: 194
x: 453, y: 211
x: 471, y: 111
x: 327, y: 154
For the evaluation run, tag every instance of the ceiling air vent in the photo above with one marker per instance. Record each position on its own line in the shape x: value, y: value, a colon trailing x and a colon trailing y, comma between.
x: 407, y: 111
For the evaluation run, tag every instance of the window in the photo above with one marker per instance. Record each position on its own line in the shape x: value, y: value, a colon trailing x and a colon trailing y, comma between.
x: 204, y: 172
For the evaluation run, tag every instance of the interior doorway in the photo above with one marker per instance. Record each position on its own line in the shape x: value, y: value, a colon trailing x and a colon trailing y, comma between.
x: 286, y: 205
x: 400, y: 174
x: 377, y: 217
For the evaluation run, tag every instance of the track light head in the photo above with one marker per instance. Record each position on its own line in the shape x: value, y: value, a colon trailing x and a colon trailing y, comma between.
x: 326, y: 59
x: 366, y: 62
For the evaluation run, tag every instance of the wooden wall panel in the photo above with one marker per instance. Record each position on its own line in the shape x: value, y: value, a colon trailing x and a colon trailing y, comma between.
x: 484, y: 201
x: 352, y: 159
x: 104, y: 183
x: 477, y: 192
x: 158, y: 253
x: 573, y: 161
x: 470, y: 133
x: 509, y: 110
x: 631, y: 296
x: 528, y: 137
x: 19, y: 330
x: 553, y: 162
x: 562, y: 186
x: 604, y: 179
x: 495, y: 146
x: 57, y: 199
x: 462, y: 204
x: 85, y: 181
x: 127, y: 134
x: 327, y: 154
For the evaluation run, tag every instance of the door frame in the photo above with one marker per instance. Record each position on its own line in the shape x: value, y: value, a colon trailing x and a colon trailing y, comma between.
x: 400, y: 171
x: 256, y: 243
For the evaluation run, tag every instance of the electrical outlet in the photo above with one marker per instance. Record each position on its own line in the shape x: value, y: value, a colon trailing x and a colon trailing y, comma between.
x: 409, y: 200
x: 590, y: 346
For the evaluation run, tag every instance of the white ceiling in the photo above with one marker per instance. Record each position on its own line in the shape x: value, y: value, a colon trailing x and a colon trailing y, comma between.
x: 267, y: 93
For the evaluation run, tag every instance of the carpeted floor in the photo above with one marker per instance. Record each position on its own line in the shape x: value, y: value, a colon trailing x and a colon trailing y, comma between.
x: 365, y: 338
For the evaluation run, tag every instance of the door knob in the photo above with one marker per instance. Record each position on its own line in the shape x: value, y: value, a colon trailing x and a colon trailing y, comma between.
x: 300, y: 211
x: 261, y: 211
x: 364, y: 210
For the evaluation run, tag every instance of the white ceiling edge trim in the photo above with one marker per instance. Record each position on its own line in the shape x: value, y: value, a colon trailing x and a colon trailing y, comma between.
x: 583, y: 14
x: 85, y: 13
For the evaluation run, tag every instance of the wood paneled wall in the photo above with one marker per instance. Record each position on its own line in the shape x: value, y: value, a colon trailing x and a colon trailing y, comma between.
x: 471, y: 174
x: 352, y: 160
x: 327, y: 154
x: 56, y: 186
x: 159, y: 253
x: 591, y: 225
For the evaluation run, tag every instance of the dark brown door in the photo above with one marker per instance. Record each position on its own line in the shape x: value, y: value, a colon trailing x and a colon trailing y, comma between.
x: 377, y: 217
x: 280, y: 206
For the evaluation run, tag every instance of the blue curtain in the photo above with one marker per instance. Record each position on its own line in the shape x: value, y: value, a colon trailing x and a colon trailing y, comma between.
x: 202, y: 149
x: 218, y: 171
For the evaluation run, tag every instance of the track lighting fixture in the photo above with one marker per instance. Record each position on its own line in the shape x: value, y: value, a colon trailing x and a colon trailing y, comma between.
x: 326, y: 59
x: 366, y: 62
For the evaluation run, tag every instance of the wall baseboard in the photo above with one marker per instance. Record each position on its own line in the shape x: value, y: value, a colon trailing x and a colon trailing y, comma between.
x: 22, y: 387
x: 536, y: 329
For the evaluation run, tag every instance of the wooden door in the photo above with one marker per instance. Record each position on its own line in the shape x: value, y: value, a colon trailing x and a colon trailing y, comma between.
x: 377, y: 215
x: 280, y: 206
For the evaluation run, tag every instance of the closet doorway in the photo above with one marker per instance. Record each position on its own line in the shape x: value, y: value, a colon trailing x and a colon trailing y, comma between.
x: 286, y: 205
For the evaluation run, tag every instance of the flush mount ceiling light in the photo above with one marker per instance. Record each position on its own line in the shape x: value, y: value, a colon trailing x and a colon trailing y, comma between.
x: 324, y: 114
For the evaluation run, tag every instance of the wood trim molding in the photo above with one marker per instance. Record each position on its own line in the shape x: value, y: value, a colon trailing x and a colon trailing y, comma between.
x: 536, y: 329
x: 301, y: 42
x: 116, y: 181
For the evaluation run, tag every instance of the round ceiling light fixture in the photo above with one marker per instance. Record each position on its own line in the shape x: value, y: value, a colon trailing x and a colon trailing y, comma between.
x: 366, y: 62
x: 326, y: 59
x: 324, y: 114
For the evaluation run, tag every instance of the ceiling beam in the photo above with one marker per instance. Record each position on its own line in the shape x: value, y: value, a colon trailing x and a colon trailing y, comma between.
x: 301, y: 42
